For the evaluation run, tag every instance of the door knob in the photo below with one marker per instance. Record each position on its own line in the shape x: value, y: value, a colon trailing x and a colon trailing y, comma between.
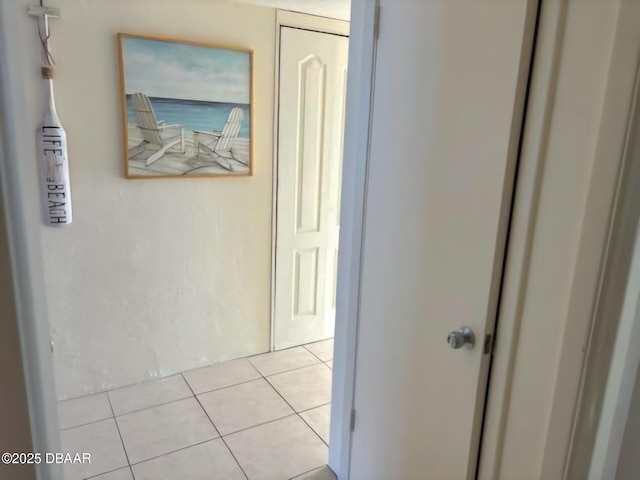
x: 462, y: 336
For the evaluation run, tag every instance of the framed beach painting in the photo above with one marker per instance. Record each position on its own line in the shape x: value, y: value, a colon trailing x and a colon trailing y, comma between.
x: 186, y: 108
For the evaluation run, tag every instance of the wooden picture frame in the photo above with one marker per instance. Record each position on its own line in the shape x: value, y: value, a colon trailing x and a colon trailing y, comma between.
x: 187, y: 108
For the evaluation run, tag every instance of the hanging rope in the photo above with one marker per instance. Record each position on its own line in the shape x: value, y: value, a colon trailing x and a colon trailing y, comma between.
x: 47, y: 58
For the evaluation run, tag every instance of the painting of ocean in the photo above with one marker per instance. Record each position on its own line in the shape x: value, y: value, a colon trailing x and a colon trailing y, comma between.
x: 186, y: 108
x: 193, y: 114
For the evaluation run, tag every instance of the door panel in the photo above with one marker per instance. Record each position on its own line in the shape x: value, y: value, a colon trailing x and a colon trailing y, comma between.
x: 306, y: 282
x: 448, y: 80
x: 312, y: 94
x: 313, y: 69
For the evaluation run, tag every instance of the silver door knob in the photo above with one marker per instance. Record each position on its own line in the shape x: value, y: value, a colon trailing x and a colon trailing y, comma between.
x: 461, y: 337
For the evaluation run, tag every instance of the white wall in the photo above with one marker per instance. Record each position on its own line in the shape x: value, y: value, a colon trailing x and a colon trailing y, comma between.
x: 340, y: 9
x: 153, y: 277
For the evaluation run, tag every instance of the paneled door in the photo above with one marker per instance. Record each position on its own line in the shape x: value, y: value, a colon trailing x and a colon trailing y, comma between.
x: 312, y: 76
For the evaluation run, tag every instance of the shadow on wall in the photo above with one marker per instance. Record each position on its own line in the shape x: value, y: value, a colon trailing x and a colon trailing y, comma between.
x: 14, y: 416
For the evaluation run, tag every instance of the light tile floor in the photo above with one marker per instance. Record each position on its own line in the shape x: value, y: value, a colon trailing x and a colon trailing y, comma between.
x: 260, y: 418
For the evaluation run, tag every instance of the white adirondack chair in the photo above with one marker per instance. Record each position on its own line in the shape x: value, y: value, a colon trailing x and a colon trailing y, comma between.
x: 154, y: 133
x: 219, y: 144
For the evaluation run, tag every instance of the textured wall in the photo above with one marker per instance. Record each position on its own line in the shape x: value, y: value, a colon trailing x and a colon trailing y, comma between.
x: 153, y: 277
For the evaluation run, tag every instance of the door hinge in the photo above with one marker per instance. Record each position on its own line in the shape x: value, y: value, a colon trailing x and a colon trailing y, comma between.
x: 352, y: 420
x: 487, y: 348
x: 376, y: 22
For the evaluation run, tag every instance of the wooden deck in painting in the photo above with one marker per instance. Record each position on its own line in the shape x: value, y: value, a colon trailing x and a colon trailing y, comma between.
x: 176, y: 163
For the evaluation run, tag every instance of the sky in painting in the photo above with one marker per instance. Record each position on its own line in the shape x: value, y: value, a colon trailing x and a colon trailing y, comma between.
x: 176, y: 70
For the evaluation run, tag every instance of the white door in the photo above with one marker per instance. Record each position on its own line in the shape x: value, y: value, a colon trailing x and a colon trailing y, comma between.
x: 447, y: 105
x: 313, y: 74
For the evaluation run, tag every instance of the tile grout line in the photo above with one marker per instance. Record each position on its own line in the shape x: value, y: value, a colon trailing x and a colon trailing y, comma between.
x: 303, y: 411
x: 290, y: 406
x: 203, y: 409
x: 216, y: 429
x: 181, y: 374
x: 149, y: 380
x: 298, y: 414
x: 114, y: 416
x: 171, y: 452
x: 223, y: 388
x: 125, y: 414
x: 170, y: 401
x: 285, y: 401
x: 305, y: 347
x: 197, y: 368
x: 313, y: 408
x: 88, y: 423
x: 124, y: 448
x: 280, y: 395
x: 312, y: 429
x: 258, y: 425
x: 106, y: 473
x: 234, y: 457
x: 222, y: 437
x: 320, y: 362
x: 294, y: 414
x: 153, y: 406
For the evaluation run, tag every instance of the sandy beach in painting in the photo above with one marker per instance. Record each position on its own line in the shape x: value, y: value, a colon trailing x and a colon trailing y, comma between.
x: 187, y: 163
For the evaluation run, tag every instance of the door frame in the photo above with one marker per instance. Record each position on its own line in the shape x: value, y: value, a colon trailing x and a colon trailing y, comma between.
x: 18, y: 173
x: 303, y: 21
x: 343, y: 371
x: 604, y: 398
x: 530, y: 411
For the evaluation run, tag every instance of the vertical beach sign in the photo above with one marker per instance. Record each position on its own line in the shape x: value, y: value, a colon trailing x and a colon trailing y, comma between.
x: 51, y: 143
x: 51, y: 139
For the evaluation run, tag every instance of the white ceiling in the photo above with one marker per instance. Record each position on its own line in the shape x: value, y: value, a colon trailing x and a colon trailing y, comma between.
x: 326, y: 8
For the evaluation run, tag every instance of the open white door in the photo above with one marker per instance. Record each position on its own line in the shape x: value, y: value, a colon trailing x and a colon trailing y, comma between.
x: 447, y: 110
x: 313, y: 75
